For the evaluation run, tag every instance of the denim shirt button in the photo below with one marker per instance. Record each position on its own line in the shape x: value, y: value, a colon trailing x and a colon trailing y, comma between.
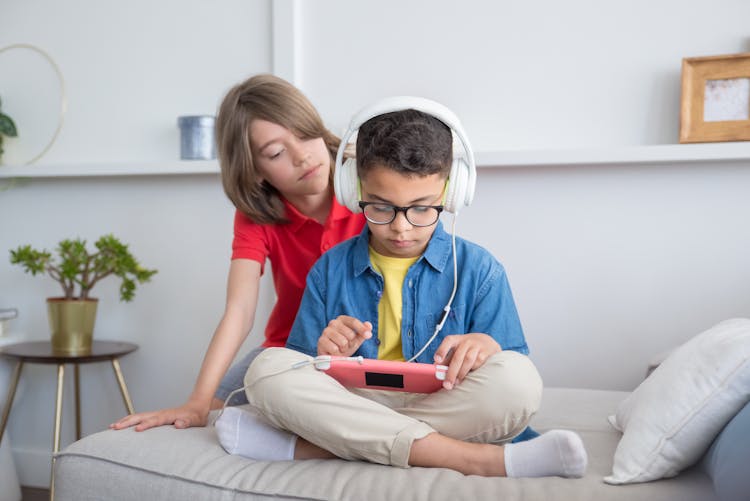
x: 411, y: 283
x: 408, y: 333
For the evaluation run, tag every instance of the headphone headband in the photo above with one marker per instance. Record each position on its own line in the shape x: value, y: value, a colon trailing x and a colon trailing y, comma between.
x: 343, y: 180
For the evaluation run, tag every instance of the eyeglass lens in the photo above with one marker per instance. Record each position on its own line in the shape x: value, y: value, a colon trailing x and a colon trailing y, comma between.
x: 417, y: 215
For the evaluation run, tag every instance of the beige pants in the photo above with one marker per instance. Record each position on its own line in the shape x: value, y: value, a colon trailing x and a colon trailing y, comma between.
x: 493, y: 404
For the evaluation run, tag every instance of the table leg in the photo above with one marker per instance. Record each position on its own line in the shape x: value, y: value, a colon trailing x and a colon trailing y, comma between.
x: 123, y: 387
x: 11, y: 395
x: 58, y: 407
x: 78, y: 401
x: 58, y: 420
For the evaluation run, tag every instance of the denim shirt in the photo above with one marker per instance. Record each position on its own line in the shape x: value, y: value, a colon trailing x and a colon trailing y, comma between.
x: 343, y: 282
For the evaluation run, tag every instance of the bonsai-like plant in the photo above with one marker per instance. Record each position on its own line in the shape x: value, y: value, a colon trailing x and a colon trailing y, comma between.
x: 7, y: 128
x: 78, y: 271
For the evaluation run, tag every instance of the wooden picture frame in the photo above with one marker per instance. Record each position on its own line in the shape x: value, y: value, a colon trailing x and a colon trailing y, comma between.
x: 715, y: 99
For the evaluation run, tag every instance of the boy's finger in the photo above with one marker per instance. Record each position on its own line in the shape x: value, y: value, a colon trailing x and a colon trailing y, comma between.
x: 337, y: 325
x: 355, y: 330
x: 340, y: 340
x: 326, y: 347
x: 457, y: 361
x: 468, y: 364
x: 366, y: 331
x: 354, y: 324
x: 445, y: 350
x: 362, y: 336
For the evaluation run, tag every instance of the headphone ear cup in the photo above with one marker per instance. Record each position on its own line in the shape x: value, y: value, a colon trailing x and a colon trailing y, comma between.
x: 346, y: 185
x: 459, y: 193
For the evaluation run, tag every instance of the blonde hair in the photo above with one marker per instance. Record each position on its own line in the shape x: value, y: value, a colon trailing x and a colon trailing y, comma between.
x: 270, y: 98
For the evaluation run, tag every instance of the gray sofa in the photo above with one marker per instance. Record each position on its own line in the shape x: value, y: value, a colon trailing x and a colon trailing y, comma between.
x: 169, y: 464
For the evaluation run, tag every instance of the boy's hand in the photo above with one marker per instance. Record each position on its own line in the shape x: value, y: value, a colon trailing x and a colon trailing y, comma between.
x: 343, y: 336
x: 463, y: 353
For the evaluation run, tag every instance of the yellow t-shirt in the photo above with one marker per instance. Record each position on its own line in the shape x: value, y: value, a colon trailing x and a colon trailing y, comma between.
x: 393, y: 270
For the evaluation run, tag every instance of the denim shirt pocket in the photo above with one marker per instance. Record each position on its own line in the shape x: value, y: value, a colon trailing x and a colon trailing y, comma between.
x: 455, y: 324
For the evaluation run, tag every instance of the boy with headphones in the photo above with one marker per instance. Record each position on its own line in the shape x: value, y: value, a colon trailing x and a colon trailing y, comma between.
x: 383, y: 295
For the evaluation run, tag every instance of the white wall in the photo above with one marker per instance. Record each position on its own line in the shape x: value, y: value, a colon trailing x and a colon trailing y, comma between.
x: 609, y: 264
x: 131, y: 69
x: 612, y: 265
x: 531, y: 74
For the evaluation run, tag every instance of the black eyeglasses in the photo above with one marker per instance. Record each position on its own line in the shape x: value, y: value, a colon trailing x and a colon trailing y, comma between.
x: 417, y: 215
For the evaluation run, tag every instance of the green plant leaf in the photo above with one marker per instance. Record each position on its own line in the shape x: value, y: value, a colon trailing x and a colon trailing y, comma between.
x: 33, y: 261
x: 75, y: 265
x: 7, y: 127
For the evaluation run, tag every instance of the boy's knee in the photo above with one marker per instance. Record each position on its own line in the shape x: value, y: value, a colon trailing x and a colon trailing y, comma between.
x: 516, y: 384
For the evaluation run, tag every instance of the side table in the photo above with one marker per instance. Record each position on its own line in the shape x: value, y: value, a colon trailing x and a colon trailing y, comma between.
x: 40, y: 352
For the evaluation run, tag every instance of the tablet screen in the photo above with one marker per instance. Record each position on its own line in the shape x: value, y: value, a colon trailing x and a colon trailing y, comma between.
x: 386, y: 380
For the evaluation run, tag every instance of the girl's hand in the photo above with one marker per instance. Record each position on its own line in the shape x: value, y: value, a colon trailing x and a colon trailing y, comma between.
x: 181, y: 417
x: 463, y: 353
x: 343, y: 336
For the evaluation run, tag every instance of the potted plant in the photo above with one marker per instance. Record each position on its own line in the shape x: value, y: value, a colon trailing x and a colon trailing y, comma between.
x: 7, y: 128
x: 77, y: 270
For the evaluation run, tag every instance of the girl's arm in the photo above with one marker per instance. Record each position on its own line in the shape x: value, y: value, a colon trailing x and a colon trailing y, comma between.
x: 242, y: 299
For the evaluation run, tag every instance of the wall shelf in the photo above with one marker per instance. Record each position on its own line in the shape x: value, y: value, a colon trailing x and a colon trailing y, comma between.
x: 112, y: 169
x: 738, y: 152
x: 625, y: 155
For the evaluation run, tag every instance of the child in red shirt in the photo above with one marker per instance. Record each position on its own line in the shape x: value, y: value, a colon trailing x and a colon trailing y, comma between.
x: 276, y: 158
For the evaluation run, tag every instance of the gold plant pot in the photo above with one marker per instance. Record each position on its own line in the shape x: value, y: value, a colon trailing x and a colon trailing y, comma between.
x: 71, y: 322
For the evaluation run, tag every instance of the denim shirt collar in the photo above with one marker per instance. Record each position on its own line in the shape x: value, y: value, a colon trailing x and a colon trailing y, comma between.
x: 437, y: 253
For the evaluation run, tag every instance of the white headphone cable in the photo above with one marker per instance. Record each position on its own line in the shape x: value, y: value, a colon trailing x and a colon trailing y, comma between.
x: 438, y: 328
x: 447, y: 308
x: 296, y: 365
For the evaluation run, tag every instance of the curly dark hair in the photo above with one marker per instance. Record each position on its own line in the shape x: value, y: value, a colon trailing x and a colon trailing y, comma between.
x: 410, y: 142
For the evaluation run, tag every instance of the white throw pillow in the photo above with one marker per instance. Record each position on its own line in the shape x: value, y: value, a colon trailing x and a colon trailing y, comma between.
x: 670, y: 420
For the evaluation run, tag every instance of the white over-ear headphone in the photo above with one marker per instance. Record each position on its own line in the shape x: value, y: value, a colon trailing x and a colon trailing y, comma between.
x: 462, y: 177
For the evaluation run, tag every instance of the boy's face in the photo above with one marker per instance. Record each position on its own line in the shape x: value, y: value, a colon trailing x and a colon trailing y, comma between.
x: 400, y: 238
x: 294, y: 166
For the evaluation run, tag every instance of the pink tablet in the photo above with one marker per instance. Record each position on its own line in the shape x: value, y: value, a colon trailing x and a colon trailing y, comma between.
x: 361, y: 372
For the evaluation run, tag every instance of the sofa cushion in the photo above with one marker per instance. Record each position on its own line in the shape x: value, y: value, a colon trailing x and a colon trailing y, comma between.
x: 165, y: 463
x: 726, y: 460
x: 670, y: 420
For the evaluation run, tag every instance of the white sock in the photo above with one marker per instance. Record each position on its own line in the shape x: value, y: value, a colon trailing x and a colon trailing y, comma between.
x: 555, y: 453
x: 246, y: 434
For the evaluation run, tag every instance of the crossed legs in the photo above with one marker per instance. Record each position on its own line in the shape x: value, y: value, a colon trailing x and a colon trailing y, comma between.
x: 448, y: 429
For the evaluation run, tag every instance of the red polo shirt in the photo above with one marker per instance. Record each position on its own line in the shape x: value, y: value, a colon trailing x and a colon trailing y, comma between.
x: 292, y: 249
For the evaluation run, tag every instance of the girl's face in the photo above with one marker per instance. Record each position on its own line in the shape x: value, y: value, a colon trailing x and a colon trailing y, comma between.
x: 292, y: 165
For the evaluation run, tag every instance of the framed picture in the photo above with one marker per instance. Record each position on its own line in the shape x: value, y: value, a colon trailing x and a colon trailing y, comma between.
x: 715, y: 99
